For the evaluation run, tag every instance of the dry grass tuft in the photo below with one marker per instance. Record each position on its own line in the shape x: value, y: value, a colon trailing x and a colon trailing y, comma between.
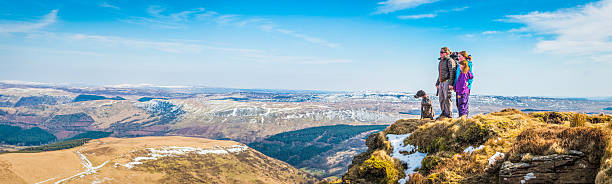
x: 553, y: 117
x: 600, y: 118
x: 559, y: 139
x: 449, y: 135
x: 536, y: 141
x: 377, y: 141
x: 579, y: 120
x: 457, y: 169
x: 417, y: 178
x: 506, y: 112
x: 405, y: 126
x: 591, y: 141
x: 429, y: 163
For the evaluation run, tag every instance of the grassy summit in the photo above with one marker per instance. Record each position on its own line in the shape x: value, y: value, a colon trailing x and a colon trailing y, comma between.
x: 501, y: 147
x: 166, y: 159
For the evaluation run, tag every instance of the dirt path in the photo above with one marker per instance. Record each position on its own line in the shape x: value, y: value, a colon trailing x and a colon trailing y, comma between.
x: 89, y: 168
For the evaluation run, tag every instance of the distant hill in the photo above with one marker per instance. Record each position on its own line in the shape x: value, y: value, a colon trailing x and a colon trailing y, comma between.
x: 41, y: 100
x: 73, y: 122
x: 146, y: 99
x: 150, y: 160
x: 535, y: 110
x: 82, y: 98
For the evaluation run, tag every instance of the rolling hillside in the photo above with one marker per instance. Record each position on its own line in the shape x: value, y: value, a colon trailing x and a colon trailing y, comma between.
x: 149, y: 160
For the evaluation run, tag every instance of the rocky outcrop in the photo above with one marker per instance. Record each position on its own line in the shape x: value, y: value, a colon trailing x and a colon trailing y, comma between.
x: 501, y: 147
x: 573, y: 167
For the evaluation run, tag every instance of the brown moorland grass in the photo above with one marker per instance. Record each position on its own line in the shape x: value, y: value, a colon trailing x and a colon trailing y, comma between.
x: 248, y: 166
x: 510, y: 131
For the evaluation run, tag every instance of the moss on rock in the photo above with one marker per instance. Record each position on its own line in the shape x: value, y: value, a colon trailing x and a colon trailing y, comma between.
x: 378, y: 168
x: 381, y: 167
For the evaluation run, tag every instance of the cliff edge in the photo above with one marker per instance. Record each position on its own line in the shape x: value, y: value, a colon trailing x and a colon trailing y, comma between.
x: 501, y: 147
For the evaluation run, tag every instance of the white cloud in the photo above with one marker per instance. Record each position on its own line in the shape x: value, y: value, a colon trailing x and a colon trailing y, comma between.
x: 22, y: 27
x: 420, y: 16
x: 460, y: 8
x: 490, y: 32
x: 165, y: 46
x: 396, y: 5
x: 431, y: 15
x: 180, y: 19
x: 107, y: 5
x: 179, y: 47
x: 583, y: 31
x: 309, y: 38
x: 227, y: 19
x: 158, y: 17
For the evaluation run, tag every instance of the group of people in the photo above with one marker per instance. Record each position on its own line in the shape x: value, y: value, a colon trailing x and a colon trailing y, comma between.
x: 454, y: 74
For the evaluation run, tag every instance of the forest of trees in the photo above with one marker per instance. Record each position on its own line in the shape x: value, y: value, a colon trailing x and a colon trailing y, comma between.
x: 56, y: 146
x: 91, y: 135
x: 81, y: 98
x: 17, y: 136
x: 297, y: 146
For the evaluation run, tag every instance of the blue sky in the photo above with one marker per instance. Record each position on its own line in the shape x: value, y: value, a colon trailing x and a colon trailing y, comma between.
x: 520, y: 47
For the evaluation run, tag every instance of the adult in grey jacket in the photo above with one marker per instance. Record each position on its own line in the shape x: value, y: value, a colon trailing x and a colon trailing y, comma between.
x: 447, y: 69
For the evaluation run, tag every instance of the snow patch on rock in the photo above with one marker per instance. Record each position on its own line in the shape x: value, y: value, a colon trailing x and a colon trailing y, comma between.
x: 527, y: 177
x: 495, y: 157
x: 413, y: 159
x: 472, y: 149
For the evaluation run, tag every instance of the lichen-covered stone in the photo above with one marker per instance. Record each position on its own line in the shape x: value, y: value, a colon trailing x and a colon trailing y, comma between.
x: 567, y: 168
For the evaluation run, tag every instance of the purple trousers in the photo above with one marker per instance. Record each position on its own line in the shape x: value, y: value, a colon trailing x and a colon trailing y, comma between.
x: 462, y: 104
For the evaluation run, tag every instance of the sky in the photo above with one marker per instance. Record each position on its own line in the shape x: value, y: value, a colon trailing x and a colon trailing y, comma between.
x: 556, y: 48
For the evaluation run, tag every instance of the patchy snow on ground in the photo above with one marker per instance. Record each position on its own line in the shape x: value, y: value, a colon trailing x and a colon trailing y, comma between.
x: 472, y: 149
x: 527, y: 177
x: 90, y: 169
x: 494, y: 158
x: 413, y: 159
x: 176, y: 150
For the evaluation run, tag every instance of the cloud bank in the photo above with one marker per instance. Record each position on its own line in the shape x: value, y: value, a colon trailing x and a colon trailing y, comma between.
x: 397, y: 5
x: 583, y: 31
x: 22, y: 27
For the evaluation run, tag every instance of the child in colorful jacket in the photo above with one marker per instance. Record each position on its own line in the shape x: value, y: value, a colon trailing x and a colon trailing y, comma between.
x: 462, y: 88
x: 469, y: 60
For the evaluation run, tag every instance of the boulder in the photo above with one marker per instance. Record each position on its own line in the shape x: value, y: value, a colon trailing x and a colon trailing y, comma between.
x: 573, y: 167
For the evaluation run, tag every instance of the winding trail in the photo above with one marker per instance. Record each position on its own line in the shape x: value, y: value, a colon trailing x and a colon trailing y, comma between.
x: 90, y: 169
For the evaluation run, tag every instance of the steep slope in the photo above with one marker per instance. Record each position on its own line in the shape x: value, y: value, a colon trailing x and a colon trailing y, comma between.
x: 324, y: 151
x: 501, y: 147
x: 149, y: 160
